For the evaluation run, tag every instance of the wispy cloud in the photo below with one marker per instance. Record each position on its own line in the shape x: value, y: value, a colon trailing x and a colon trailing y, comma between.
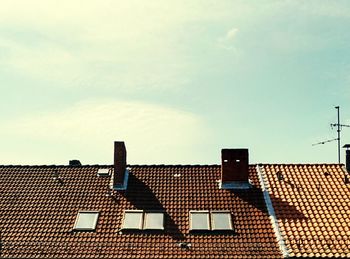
x: 153, y: 134
x: 231, y: 34
x: 228, y: 40
x: 115, y: 44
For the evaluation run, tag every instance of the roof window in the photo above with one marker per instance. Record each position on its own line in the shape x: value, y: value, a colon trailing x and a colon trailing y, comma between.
x: 133, y: 219
x: 210, y: 220
x: 86, y: 220
x: 154, y: 220
x: 221, y: 220
x: 140, y: 220
x: 103, y: 172
x: 199, y: 220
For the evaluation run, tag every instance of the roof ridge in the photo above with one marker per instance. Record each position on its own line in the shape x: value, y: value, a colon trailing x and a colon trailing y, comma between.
x: 51, y: 166
x: 173, y: 165
x: 262, y: 164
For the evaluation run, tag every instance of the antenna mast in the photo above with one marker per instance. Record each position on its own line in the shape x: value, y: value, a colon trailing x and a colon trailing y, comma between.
x: 339, y: 128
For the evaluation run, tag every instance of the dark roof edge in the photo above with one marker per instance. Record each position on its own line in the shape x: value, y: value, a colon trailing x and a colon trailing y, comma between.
x: 178, y: 165
x: 52, y: 166
x: 297, y: 164
x: 97, y: 165
x: 165, y: 165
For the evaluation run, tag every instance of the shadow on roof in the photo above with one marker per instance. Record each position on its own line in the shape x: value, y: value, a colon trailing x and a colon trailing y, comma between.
x: 255, y: 198
x: 143, y: 198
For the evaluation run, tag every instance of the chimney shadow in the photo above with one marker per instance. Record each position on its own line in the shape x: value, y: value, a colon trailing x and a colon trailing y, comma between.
x: 143, y: 198
x: 255, y: 197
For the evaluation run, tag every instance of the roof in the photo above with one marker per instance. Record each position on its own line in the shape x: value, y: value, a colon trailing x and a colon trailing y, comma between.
x: 39, y: 206
x: 312, y: 205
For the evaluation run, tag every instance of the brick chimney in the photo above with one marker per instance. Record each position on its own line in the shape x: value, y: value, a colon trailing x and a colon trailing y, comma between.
x: 347, y: 164
x: 347, y: 160
x: 120, y: 174
x: 234, y: 169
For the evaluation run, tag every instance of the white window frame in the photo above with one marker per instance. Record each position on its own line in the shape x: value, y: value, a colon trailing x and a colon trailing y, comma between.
x: 145, y: 220
x: 206, y: 212
x: 220, y: 212
x: 86, y: 212
x: 135, y: 212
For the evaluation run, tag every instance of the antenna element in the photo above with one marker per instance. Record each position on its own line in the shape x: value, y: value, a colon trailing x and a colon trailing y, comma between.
x: 339, y: 128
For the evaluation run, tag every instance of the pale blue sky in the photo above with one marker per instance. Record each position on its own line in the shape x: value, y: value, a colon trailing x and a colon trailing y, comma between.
x: 176, y: 80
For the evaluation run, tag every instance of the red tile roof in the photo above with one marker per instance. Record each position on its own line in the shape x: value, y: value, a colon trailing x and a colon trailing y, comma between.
x: 38, y: 211
x: 312, y: 205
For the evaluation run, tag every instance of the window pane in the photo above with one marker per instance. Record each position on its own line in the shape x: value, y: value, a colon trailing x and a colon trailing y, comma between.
x: 154, y: 221
x: 132, y: 220
x: 199, y: 220
x: 86, y: 220
x: 221, y: 221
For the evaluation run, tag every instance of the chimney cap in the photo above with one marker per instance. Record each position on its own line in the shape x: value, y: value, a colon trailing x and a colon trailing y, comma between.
x: 347, y: 146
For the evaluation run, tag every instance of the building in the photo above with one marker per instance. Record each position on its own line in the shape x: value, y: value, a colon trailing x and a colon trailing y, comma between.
x: 232, y: 210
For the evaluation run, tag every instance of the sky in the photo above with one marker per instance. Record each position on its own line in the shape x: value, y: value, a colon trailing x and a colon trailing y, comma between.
x: 176, y: 80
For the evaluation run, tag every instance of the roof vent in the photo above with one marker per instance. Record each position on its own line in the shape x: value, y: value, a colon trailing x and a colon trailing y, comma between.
x: 56, y: 176
x: 184, y: 245
x: 103, y: 172
x: 280, y: 176
x: 234, y: 169
x: 74, y: 163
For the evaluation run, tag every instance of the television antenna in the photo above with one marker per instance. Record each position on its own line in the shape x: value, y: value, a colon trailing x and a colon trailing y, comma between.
x: 339, y: 127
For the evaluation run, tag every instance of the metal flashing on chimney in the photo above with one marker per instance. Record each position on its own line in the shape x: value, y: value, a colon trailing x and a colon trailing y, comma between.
x: 124, y: 185
x: 242, y: 185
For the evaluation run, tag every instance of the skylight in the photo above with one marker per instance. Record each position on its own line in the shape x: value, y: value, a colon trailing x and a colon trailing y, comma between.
x: 221, y: 220
x: 140, y: 220
x: 154, y: 220
x: 210, y: 220
x: 103, y: 172
x: 133, y: 219
x: 199, y: 220
x: 86, y: 220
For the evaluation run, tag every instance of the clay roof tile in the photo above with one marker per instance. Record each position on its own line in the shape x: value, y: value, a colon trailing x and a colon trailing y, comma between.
x: 317, y: 196
x: 42, y: 202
